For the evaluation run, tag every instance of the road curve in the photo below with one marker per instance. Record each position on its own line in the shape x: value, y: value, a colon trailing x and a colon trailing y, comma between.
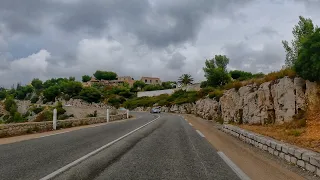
x: 168, y: 148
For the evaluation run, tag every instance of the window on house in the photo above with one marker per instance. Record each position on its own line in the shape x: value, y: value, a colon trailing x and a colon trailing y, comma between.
x: 150, y: 81
x: 145, y: 81
x: 156, y: 81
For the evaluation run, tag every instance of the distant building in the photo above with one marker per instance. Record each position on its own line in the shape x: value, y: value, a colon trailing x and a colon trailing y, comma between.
x: 127, y: 79
x: 151, y: 80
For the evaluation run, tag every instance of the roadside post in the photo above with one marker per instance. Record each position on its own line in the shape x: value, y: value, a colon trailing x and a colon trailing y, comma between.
x: 54, y: 122
x: 108, y: 117
x: 127, y: 113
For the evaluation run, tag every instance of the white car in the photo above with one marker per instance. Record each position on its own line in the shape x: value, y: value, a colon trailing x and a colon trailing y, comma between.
x: 155, y: 110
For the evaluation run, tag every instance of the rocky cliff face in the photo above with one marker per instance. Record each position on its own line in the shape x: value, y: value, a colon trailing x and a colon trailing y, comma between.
x: 271, y: 102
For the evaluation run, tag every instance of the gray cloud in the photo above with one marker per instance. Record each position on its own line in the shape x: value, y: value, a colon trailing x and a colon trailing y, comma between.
x: 56, y: 38
x: 269, y: 31
x: 246, y: 58
x: 176, y: 62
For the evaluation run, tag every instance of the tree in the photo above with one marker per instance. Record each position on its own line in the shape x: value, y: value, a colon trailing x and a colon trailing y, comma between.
x: 302, y: 30
x: 139, y: 85
x: 221, y: 61
x: 240, y: 75
x: 185, y: 79
x: 71, y: 78
x: 23, y: 91
x: 307, y: 65
x: 71, y: 88
x: 216, y: 72
x: 105, y: 75
x: 168, y: 85
x: 90, y: 94
x: 36, y: 83
x: 3, y: 93
x: 51, y: 93
x: 9, y: 102
x: 86, y: 78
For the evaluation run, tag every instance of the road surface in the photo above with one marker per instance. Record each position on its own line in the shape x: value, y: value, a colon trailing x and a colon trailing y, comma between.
x: 166, y: 148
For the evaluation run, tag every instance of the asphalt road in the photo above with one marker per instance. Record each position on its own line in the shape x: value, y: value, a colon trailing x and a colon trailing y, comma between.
x: 168, y: 148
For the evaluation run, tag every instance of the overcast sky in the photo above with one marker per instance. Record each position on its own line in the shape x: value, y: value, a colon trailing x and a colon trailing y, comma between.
x: 161, y: 38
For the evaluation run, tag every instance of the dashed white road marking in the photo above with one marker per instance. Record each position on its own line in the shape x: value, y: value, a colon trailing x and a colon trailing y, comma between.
x: 68, y: 166
x: 200, y: 133
x: 234, y: 167
x: 190, y: 124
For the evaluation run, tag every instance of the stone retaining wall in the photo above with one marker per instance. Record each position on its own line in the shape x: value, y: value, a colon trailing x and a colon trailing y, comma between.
x: 300, y: 157
x: 16, y: 129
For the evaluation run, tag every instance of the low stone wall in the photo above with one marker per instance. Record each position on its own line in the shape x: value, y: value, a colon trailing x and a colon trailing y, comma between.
x: 300, y: 157
x: 16, y: 129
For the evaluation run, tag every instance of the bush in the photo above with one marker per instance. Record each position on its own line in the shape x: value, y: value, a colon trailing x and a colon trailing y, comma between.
x: 37, y: 110
x: 217, y: 94
x: 205, y: 91
x: 9, y: 102
x: 44, y: 116
x: 34, y: 99
x: 236, y: 84
x: 116, y: 101
x: 17, y: 117
x: 63, y: 116
x: 95, y: 114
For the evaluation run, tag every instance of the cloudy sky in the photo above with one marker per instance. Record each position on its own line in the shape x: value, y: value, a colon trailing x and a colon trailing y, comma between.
x: 163, y: 38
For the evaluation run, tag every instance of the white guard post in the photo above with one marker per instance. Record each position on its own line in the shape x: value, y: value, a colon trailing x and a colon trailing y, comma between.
x: 108, y: 116
x: 54, y: 122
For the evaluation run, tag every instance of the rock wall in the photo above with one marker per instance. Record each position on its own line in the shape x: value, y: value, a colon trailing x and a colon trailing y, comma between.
x: 271, y: 102
x: 16, y: 129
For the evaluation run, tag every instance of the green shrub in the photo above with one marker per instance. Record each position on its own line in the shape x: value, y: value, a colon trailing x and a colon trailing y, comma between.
x: 63, y: 116
x: 95, y: 114
x: 295, y: 132
x: 17, y: 117
x: 217, y: 94
x: 205, y: 91
x: 37, y: 110
x: 34, y: 99
x: 44, y: 116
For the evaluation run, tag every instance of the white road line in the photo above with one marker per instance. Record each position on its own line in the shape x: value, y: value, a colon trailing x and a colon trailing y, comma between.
x: 190, y: 124
x: 234, y: 167
x: 97, y: 125
x: 200, y: 133
x: 68, y: 166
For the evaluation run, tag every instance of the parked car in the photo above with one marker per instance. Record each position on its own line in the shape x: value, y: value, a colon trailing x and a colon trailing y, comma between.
x: 155, y: 110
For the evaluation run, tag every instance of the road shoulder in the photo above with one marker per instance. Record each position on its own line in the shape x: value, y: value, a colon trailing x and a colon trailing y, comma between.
x: 254, y: 162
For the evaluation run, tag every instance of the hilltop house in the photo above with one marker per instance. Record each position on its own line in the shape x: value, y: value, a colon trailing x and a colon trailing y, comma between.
x: 127, y: 79
x: 151, y: 80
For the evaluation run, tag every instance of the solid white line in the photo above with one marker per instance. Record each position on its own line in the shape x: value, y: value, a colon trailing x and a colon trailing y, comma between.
x: 97, y: 125
x: 190, y: 124
x: 234, y: 167
x: 64, y: 168
x: 200, y: 133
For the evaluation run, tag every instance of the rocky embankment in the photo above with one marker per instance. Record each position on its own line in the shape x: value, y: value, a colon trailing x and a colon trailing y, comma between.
x: 271, y: 102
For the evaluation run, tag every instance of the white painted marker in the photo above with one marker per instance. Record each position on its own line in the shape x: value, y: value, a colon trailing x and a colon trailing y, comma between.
x: 234, y: 167
x: 200, y: 133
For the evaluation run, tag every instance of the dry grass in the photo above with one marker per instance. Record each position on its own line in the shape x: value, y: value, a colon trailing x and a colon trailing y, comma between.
x: 300, y: 132
x: 258, y: 81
